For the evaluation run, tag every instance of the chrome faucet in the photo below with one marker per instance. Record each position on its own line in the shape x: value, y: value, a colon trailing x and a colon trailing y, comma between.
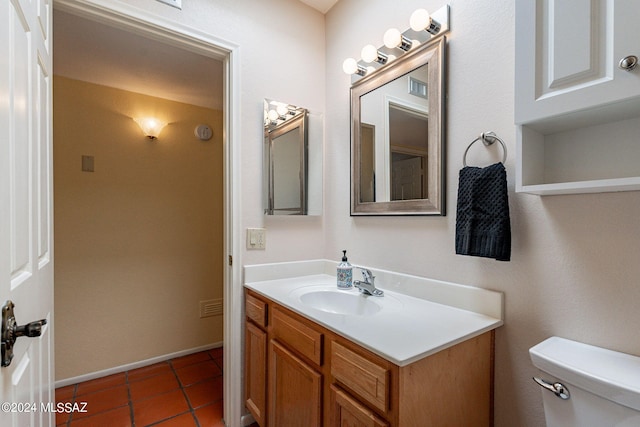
x: 368, y: 286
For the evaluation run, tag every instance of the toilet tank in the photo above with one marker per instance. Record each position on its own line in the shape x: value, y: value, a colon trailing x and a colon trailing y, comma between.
x: 603, y: 385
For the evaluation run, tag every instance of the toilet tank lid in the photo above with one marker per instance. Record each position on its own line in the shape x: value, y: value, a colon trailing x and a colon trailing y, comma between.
x: 609, y: 374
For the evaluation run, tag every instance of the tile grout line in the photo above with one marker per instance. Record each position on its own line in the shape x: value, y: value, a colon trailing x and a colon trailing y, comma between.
x: 127, y: 383
x: 73, y: 400
x: 184, y: 393
x: 131, y: 416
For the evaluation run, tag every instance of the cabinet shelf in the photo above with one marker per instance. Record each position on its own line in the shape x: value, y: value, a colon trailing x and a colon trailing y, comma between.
x: 578, y: 187
x: 591, y: 159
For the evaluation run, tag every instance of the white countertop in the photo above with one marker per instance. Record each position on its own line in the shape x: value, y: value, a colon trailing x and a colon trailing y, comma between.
x: 406, y: 329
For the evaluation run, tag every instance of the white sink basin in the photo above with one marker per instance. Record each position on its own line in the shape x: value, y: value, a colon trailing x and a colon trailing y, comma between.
x: 340, y: 302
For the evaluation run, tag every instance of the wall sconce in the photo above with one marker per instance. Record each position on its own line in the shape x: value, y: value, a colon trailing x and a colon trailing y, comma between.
x: 150, y: 126
x: 421, y: 22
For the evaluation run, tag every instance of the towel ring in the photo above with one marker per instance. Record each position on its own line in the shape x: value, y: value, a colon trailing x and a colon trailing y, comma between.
x: 487, y: 138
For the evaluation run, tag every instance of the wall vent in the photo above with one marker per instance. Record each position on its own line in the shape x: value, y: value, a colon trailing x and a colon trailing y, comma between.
x: 418, y: 88
x: 211, y: 307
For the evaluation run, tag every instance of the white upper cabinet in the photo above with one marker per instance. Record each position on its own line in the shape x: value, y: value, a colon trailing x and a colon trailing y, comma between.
x: 577, y: 108
x: 568, y: 54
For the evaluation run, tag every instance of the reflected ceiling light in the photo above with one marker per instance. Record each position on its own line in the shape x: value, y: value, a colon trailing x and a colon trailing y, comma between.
x: 351, y: 66
x: 393, y: 38
x: 273, y: 115
x: 282, y: 109
x: 150, y: 126
x: 421, y: 20
x: 369, y: 54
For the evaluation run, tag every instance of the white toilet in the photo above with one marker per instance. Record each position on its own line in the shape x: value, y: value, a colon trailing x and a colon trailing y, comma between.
x: 587, y: 386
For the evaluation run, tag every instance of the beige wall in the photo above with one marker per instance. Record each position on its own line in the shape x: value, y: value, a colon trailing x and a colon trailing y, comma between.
x: 575, y: 258
x: 574, y: 265
x: 139, y: 241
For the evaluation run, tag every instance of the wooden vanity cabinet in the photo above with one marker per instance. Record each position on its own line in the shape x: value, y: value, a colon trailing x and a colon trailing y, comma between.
x: 295, y: 390
x: 316, y: 377
x: 255, y: 366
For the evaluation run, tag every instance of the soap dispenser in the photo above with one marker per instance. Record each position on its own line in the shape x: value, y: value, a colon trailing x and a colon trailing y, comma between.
x: 345, y: 273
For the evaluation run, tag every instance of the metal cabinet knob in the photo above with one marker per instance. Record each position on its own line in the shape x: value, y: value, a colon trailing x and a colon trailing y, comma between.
x: 11, y: 331
x: 628, y: 63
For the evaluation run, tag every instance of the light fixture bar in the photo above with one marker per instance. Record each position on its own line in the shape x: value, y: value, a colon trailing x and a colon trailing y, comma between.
x: 406, y: 41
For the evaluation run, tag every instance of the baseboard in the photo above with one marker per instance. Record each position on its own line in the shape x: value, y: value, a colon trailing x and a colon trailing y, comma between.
x: 134, y: 365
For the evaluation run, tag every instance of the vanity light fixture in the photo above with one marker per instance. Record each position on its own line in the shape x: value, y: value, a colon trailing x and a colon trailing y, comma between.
x: 273, y: 115
x: 277, y: 113
x: 150, y: 126
x: 282, y: 110
x: 421, y: 22
x: 393, y: 38
x: 351, y: 66
x: 369, y: 54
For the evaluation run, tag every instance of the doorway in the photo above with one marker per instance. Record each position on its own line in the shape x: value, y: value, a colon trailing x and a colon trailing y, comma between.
x: 177, y: 36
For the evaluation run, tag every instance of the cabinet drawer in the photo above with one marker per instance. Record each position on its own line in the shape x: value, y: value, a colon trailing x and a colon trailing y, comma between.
x: 346, y: 411
x: 256, y: 310
x: 300, y: 337
x: 367, y: 379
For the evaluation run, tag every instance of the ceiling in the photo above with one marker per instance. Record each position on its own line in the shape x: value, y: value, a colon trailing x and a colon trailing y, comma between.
x: 90, y: 51
x: 321, y: 5
x: 96, y: 53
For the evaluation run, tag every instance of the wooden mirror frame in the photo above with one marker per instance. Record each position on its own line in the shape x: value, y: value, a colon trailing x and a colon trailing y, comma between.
x: 433, y: 54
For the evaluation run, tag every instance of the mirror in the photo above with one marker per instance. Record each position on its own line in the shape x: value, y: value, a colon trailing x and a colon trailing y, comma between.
x: 290, y: 160
x: 397, y: 141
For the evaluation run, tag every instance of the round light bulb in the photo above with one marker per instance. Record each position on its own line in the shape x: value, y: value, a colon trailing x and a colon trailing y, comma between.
x: 350, y: 66
x: 419, y: 20
x: 273, y: 115
x: 369, y: 53
x: 282, y: 110
x: 392, y: 38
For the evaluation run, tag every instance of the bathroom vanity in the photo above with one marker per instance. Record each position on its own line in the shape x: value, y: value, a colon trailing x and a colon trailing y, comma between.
x: 319, y: 356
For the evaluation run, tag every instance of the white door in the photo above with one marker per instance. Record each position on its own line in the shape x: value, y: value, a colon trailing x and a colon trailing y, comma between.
x: 26, y: 252
x: 407, y: 179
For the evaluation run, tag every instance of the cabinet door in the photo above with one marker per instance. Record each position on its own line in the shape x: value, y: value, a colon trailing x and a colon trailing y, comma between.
x: 255, y: 385
x: 567, y: 55
x: 295, y: 390
x: 348, y: 412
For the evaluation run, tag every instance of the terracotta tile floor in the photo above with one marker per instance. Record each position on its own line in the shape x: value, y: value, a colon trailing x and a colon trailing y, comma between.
x: 181, y: 392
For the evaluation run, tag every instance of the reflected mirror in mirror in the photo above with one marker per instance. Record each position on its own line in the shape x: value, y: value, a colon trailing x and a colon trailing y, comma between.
x: 397, y: 141
x: 290, y: 160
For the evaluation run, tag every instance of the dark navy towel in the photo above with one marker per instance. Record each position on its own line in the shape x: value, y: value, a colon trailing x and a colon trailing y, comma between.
x: 482, y: 223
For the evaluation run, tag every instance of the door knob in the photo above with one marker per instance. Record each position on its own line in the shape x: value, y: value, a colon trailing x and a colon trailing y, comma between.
x: 628, y: 63
x: 11, y: 331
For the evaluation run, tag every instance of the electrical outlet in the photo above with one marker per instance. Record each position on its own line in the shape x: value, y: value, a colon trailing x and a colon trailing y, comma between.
x: 256, y: 238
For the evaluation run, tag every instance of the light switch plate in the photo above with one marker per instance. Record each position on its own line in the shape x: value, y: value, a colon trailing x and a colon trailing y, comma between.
x: 175, y: 3
x: 256, y: 238
x: 87, y: 163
